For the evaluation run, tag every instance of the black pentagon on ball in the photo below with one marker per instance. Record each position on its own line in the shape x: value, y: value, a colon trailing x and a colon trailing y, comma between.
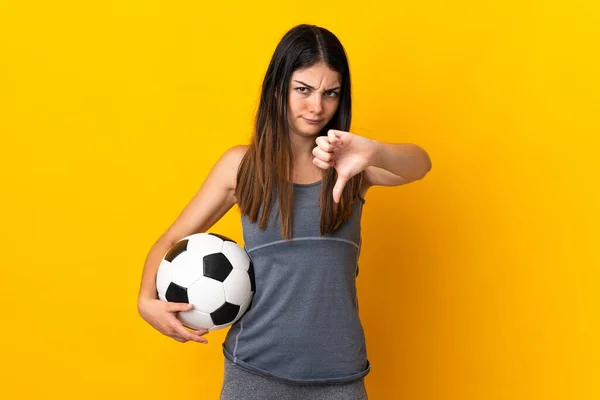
x: 176, y: 250
x: 176, y: 293
x: 217, y: 266
x: 225, y: 314
x: 223, y: 238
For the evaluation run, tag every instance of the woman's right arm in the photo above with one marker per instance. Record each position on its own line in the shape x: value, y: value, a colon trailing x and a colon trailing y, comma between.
x: 215, y: 197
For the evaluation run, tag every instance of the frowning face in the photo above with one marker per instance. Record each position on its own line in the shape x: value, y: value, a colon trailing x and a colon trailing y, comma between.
x: 313, y: 99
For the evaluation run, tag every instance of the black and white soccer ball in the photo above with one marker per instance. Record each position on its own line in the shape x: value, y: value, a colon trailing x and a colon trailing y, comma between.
x: 213, y: 273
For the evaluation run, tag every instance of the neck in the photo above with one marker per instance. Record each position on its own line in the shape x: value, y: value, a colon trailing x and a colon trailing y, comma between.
x: 302, y: 147
x: 304, y: 169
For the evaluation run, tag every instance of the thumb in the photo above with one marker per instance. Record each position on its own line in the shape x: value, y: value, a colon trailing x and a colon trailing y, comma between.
x: 335, y: 137
x: 339, y: 188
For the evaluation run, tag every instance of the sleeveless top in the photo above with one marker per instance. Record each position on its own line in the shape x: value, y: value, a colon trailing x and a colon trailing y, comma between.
x: 303, y: 324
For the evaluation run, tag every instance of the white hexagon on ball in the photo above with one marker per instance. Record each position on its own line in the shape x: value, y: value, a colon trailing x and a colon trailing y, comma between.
x: 185, y: 269
x: 236, y: 255
x: 244, y: 306
x: 206, y: 294
x: 204, y: 243
x: 237, y: 286
x: 196, y: 319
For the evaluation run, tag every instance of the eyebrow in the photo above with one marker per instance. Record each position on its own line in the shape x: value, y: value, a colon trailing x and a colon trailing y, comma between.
x: 307, y: 85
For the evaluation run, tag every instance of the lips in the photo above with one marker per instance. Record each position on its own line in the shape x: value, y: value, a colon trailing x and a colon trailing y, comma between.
x: 313, y: 121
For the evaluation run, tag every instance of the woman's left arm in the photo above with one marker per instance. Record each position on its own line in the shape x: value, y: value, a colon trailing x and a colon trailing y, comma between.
x: 406, y: 160
x: 385, y: 164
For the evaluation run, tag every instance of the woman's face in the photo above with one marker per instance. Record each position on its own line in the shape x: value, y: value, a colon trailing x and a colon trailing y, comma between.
x: 313, y: 99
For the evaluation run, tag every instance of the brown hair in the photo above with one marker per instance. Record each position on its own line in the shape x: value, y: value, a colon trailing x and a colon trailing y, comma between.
x: 267, y: 166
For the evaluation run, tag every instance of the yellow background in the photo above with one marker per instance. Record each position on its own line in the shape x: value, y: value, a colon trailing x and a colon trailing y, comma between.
x: 479, y: 282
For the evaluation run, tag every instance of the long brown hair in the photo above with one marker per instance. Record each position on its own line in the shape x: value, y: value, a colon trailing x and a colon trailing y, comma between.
x: 267, y: 166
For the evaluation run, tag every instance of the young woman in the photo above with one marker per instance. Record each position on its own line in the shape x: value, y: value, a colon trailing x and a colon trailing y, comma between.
x: 300, y: 186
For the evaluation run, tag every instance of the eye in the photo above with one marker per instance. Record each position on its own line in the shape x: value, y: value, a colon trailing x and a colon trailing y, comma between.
x: 331, y: 93
x: 302, y: 89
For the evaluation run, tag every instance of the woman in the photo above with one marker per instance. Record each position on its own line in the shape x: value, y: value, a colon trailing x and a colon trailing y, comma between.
x: 300, y: 187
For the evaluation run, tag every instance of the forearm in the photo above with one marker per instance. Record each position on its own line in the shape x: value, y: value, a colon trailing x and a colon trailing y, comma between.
x: 404, y: 159
x: 153, y: 260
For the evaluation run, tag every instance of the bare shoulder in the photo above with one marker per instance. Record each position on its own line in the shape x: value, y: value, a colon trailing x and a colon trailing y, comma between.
x: 237, y: 151
x: 229, y: 163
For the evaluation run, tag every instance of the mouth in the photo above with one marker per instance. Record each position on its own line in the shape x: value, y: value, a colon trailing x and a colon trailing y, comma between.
x: 313, y: 121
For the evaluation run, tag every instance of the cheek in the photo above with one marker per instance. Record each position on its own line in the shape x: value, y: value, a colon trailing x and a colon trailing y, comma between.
x: 293, y: 112
x: 332, y: 107
x: 297, y: 105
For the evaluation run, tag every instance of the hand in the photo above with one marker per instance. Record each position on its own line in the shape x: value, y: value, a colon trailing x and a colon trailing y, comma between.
x: 162, y: 316
x: 348, y: 153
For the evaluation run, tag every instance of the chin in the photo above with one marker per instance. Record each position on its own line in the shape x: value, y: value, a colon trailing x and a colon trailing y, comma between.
x: 312, y: 131
x: 308, y: 130
x: 313, y: 128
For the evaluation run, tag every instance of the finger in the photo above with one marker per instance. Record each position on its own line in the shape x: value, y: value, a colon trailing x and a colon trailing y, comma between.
x: 201, y: 340
x: 185, y: 333
x: 183, y: 340
x: 323, y: 142
x: 322, y: 164
x: 178, y: 338
x: 339, y: 188
x: 181, y: 331
x: 174, y: 307
x: 178, y: 329
x: 199, y: 333
x: 322, y: 154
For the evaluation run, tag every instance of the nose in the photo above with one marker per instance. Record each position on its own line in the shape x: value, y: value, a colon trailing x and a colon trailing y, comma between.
x: 315, y: 104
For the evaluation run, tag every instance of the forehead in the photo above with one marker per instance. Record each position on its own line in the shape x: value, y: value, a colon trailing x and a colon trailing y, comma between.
x: 317, y: 75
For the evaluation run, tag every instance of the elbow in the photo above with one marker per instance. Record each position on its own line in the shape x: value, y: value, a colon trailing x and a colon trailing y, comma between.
x: 425, y: 166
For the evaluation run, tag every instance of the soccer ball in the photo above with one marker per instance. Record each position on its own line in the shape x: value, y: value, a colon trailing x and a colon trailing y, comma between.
x: 213, y: 273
